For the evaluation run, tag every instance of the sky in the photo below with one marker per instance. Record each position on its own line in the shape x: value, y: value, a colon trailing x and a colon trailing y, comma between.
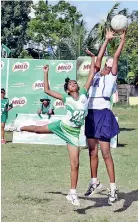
x: 95, y: 11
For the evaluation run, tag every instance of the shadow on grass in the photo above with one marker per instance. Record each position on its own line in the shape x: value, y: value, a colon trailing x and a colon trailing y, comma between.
x: 121, y: 145
x: 126, y: 129
x: 128, y: 198
x: 99, y: 202
x: 8, y: 141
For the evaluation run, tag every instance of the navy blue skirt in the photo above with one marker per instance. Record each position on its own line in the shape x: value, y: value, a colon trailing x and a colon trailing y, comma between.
x: 101, y: 124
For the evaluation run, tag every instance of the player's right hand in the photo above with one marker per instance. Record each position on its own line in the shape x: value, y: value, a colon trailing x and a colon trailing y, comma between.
x: 46, y: 68
x: 110, y: 34
x: 38, y: 112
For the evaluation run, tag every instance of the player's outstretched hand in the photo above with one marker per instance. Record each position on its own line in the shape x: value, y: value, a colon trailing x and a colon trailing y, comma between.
x: 46, y: 68
x: 110, y: 34
x: 89, y: 53
x: 123, y: 35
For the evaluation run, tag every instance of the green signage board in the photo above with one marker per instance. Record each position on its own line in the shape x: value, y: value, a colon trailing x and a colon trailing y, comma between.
x: 26, y: 86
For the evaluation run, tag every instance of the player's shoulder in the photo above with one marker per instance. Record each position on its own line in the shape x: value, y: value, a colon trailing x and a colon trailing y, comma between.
x: 64, y: 97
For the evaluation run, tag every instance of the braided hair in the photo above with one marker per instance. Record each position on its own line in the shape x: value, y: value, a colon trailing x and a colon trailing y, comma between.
x: 66, y: 84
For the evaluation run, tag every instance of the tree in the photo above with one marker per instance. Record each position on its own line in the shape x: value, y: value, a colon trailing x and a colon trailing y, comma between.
x: 131, y: 47
x: 72, y: 47
x: 25, y: 54
x: 134, y: 16
x: 58, y: 27
x: 15, y: 17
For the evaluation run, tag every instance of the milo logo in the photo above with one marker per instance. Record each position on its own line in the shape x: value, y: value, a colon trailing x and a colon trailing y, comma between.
x: 62, y: 67
x: 19, y: 101
x: 20, y: 66
x: 2, y: 64
x: 38, y: 85
x: 58, y: 104
x: 84, y: 69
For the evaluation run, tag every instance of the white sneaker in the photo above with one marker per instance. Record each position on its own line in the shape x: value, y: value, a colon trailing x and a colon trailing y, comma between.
x: 73, y: 198
x: 93, y: 188
x: 112, y: 196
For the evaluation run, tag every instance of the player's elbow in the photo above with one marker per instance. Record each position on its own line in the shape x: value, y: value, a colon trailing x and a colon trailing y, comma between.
x: 46, y: 90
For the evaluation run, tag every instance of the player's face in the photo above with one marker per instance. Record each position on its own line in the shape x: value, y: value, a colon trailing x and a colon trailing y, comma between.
x: 73, y: 86
x: 106, y: 70
x: 2, y: 94
x: 45, y: 102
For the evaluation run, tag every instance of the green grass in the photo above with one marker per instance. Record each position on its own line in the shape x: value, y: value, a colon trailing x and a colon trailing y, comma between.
x: 35, y: 180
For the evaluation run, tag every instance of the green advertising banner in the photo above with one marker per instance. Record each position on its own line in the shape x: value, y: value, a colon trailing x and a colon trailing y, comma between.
x: 26, y: 86
x: 4, y: 72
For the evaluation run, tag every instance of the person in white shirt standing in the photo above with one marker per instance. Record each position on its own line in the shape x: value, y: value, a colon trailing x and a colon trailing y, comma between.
x: 100, y: 124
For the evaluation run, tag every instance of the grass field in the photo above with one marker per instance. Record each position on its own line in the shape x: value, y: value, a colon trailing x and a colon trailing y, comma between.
x: 35, y: 180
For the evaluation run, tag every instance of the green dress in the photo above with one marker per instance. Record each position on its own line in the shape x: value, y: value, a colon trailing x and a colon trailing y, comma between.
x: 4, y: 107
x: 69, y: 127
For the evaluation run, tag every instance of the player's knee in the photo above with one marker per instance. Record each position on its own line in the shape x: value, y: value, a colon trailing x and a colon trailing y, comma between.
x: 93, y: 154
x: 2, y: 127
x: 106, y: 155
x: 74, y: 165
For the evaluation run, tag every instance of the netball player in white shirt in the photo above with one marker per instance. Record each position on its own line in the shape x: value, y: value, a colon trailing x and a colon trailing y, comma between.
x: 100, y: 124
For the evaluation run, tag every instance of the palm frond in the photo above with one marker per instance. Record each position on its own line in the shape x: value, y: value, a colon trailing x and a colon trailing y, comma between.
x: 112, y: 12
x: 124, y: 12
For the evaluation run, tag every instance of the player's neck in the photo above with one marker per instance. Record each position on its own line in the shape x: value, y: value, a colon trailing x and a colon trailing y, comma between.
x: 75, y: 95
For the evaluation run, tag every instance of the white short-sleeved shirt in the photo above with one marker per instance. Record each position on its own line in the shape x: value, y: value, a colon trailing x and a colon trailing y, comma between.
x: 76, y: 109
x: 101, y: 90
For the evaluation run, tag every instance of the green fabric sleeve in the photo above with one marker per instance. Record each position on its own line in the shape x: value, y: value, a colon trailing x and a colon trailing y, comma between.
x: 64, y: 96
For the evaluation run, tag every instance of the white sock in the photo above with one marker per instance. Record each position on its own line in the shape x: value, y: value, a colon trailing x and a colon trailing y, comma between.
x: 112, y: 186
x: 72, y: 191
x: 19, y: 129
x: 93, y: 180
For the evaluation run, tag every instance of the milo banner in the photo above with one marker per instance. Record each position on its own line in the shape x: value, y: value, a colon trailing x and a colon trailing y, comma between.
x: 4, y: 71
x: 25, y: 86
x: 52, y: 139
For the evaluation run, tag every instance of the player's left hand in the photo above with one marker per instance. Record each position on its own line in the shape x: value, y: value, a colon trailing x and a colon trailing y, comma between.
x: 89, y: 53
x: 123, y: 35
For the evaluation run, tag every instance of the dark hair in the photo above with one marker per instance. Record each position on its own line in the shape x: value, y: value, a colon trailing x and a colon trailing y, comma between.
x: 2, y: 90
x: 66, y: 84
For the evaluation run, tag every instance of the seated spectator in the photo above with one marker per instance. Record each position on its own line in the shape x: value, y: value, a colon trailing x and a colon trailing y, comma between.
x: 46, y: 107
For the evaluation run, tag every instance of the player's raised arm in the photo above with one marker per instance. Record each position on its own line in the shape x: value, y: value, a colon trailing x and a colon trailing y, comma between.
x: 92, y: 70
x: 109, y: 36
x: 46, y: 85
x: 117, y: 54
